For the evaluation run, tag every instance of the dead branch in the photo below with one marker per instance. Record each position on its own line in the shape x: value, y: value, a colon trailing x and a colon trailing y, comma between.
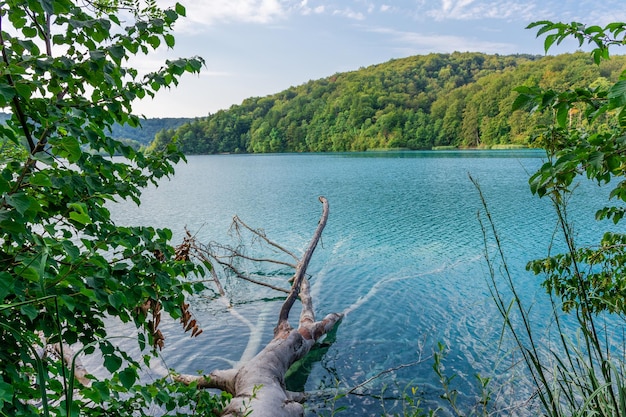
x: 258, y: 385
x: 235, y: 253
x: 301, y: 268
x: 241, y: 275
x: 259, y: 233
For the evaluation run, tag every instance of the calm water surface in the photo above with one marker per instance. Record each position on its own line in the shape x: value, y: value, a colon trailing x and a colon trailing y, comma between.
x: 402, y: 253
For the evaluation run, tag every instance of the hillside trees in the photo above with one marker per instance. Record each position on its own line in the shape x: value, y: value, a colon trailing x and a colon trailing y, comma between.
x: 66, y: 265
x: 459, y: 99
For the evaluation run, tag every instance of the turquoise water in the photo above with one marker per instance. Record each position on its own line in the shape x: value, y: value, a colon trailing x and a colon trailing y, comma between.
x: 402, y: 254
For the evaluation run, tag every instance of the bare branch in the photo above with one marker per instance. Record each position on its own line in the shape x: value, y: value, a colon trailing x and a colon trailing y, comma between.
x: 302, y: 266
x: 208, y: 254
x: 234, y: 253
x: 221, y: 379
x: 381, y: 373
x: 245, y: 277
x: 260, y: 234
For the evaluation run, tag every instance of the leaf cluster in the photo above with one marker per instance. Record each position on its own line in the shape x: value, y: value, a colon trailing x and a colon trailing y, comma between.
x: 66, y: 265
x: 586, y: 278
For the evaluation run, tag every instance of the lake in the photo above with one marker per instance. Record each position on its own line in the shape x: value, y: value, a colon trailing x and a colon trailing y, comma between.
x: 402, y: 253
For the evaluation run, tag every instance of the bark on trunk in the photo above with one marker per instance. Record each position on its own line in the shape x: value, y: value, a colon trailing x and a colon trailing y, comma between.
x: 258, y: 386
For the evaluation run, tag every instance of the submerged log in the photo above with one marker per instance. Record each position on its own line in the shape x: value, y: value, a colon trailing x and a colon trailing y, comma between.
x: 258, y: 386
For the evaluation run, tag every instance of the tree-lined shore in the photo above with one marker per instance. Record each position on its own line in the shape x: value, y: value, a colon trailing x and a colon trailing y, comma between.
x: 461, y: 99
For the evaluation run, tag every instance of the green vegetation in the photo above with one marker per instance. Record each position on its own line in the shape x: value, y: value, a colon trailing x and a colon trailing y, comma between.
x: 460, y: 100
x: 145, y: 133
x: 579, y: 371
x: 66, y: 266
x: 135, y: 136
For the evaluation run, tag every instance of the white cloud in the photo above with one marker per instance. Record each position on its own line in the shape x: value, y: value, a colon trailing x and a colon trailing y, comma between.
x: 306, y: 10
x: 588, y: 11
x: 472, y: 9
x: 417, y: 43
x: 204, y: 13
x: 349, y: 13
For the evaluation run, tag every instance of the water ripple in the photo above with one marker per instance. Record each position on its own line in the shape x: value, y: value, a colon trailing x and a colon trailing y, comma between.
x: 402, y: 255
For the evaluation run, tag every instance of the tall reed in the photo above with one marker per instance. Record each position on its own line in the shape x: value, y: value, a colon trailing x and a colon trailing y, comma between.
x: 579, y: 371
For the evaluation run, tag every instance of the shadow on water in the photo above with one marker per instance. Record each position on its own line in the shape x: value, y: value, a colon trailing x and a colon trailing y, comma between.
x: 299, y: 372
x: 448, y: 153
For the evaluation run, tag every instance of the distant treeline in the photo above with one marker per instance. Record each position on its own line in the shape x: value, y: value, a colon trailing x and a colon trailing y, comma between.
x: 136, y: 136
x: 420, y: 102
x: 148, y: 130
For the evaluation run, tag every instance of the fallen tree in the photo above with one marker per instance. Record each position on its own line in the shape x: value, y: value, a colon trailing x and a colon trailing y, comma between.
x: 258, y: 385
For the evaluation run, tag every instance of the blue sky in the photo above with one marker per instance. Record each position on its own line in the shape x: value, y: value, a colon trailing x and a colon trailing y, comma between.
x: 260, y: 47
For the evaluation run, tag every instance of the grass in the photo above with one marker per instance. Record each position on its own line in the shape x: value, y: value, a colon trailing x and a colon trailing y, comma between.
x: 509, y: 146
x: 575, y: 373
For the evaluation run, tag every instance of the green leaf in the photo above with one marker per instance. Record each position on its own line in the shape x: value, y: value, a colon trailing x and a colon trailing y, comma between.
x: 7, y: 282
x: 79, y: 213
x: 40, y: 179
x: 48, y: 6
x: 23, y: 90
x: 128, y: 377
x: 71, y: 251
x: 117, y: 299
x: 117, y: 52
x: 29, y: 311
x: 180, y: 9
x: 6, y: 93
x: 549, y: 41
x: 68, y: 301
x: 29, y: 273
x: 562, y: 113
x: 521, y: 101
x: 596, y: 160
x: 613, y: 163
x: 97, y: 55
x: 69, y: 148
x: 81, y: 218
x: 112, y: 363
x: 617, y: 94
x: 141, y: 339
x: 154, y: 41
x: 20, y: 201
x: 6, y: 392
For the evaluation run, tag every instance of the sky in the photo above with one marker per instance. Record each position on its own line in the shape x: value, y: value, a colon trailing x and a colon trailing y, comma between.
x: 255, y: 48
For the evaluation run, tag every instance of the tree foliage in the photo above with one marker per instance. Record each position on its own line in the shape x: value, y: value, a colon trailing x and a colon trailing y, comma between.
x: 588, y: 279
x: 460, y: 99
x: 66, y: 80
x: 577, y: 366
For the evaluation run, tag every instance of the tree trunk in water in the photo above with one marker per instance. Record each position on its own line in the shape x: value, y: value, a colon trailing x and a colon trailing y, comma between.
x: 258, y: 386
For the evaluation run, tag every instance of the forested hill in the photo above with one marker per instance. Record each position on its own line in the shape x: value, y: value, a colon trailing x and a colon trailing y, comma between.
x: 420, y: 102
x: 148, y: 129
x: 137, y: 136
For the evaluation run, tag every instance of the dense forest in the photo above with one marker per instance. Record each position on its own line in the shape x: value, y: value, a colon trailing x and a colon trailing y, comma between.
x: 421, y: 102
